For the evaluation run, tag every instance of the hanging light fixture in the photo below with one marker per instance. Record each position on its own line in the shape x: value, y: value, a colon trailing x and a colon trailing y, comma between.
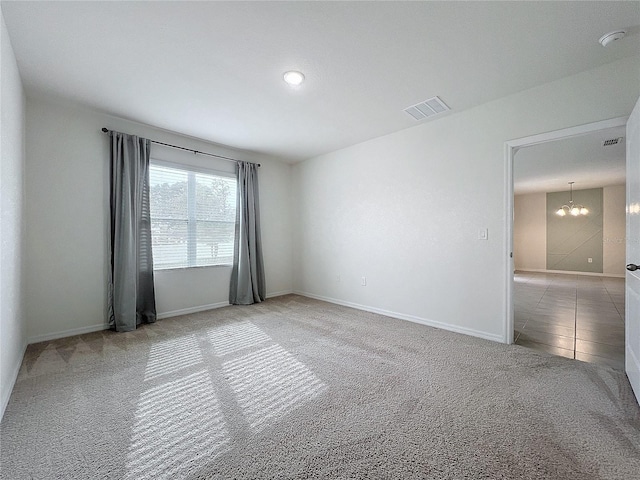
x: 572, y: 208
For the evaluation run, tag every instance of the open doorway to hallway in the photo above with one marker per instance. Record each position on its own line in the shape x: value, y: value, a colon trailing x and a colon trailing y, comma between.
x: 568, y: 291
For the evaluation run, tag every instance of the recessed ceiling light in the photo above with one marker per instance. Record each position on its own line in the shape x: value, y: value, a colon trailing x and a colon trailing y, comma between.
x: 607, y: 38
x: 293, y: 78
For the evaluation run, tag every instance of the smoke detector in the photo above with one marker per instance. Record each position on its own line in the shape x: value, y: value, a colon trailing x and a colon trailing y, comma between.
x: 610, y: 37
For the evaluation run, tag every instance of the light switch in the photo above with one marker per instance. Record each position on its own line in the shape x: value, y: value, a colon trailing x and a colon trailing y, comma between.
x: 483, y: 234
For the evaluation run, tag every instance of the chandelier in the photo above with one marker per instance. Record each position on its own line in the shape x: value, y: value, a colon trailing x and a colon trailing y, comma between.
x: 572, y: 208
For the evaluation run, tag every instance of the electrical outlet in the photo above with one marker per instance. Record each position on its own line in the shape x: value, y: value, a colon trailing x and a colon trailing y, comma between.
x: 363, y: 281
x: 590, y: 260
x: 483, y: 234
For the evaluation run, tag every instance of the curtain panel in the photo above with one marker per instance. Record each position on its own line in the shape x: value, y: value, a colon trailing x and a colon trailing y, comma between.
x: 247, y: 276
x: 131, y: 296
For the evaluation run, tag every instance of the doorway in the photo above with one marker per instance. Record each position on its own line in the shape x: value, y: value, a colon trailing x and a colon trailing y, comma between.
x: 556, y: 304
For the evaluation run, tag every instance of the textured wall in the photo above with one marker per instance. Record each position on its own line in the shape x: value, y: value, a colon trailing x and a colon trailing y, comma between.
x: 572, y: 241
x: 12, y: 329
x: 614, y: 230
x: 67, y: 211
x: 405, y: 210
x: 530, y: 231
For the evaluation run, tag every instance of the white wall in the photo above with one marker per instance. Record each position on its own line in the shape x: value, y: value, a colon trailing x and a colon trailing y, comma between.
x: 614, y: 230
x: 12, y: 325
x: 67, y: 227
x: 530, y: 231
x: 404, y: 210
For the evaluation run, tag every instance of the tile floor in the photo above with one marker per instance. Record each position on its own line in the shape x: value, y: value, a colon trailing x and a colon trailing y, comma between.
x: 576, y: 316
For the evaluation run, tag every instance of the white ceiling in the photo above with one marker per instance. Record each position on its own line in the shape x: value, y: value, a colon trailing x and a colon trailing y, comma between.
x: 548, y: 167
x: 213, y: 70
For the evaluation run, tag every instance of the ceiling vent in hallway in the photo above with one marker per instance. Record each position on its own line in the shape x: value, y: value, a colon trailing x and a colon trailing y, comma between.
x: 612, y: 141
x: 428, y: 108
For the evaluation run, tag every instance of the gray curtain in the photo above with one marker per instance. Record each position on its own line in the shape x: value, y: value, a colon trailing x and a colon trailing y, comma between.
x: 131, y: 292
x: 247, y: 276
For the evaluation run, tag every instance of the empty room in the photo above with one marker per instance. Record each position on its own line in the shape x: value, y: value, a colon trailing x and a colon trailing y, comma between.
x: 383, y: 240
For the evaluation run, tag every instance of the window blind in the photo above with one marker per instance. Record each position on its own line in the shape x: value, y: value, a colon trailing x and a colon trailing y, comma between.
x: 192, y: 217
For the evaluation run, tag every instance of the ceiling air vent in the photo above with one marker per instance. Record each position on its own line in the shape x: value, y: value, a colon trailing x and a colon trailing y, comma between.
x: 612, y: 141
x: 428, y: 108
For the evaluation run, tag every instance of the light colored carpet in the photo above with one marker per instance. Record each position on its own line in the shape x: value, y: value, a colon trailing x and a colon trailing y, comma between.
x: 297, y: 388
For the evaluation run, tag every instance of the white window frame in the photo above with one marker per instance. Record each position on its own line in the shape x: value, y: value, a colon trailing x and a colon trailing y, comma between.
x: 191, y: 208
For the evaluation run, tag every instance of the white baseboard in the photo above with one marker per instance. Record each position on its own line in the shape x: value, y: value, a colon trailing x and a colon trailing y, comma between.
x: 67, y: 333
x: 279, y: 294
x: 588, y: 274
x: 6, y: 393
x: 96, y: 328
x: 186, y: 311
x: 211, y: 306
x: 174, y: 313
x: 410, y: 318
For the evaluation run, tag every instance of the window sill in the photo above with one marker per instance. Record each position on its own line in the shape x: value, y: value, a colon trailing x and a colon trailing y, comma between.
x: 191, y: 268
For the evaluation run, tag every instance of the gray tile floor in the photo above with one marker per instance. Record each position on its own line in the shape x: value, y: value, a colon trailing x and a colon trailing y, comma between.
x: 576, y: 316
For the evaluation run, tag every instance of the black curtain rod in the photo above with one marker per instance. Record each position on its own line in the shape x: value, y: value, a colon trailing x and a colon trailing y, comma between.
x: 106, y: 130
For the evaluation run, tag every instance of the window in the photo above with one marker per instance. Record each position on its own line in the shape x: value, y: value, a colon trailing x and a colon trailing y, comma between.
x: 193, y: 215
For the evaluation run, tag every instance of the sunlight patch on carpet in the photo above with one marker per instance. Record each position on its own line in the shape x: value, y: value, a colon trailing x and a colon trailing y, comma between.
x: 178, y: 429
x: 235, y: 337
x: 270, y: 383
x: 170, y: 356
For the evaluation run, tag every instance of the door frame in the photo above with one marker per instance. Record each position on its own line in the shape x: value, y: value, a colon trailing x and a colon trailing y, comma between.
x: 510, y: 149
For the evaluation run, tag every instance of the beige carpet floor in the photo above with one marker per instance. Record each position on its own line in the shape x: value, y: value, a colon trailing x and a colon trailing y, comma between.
x: 297, y: 388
